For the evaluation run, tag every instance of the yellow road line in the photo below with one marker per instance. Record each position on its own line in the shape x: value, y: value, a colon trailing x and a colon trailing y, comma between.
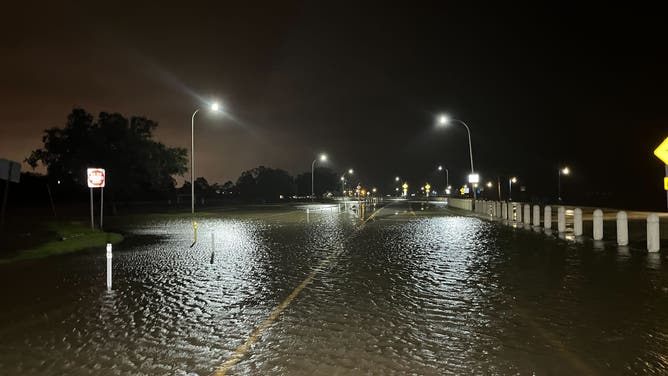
x: 241, y: 351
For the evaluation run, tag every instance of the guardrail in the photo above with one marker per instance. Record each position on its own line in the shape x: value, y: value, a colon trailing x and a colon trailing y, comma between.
x: 529, y: 216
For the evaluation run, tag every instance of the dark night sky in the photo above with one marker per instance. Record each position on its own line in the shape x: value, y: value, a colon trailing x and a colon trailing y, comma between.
x: 538, y: 86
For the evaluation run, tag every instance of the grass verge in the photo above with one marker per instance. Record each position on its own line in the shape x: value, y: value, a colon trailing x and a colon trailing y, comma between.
x: 64, y: 237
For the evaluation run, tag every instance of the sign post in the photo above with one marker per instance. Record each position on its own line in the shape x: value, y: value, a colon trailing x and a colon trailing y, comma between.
x: 96, y: 179
x: 661, y: 152
x: 10, y: 172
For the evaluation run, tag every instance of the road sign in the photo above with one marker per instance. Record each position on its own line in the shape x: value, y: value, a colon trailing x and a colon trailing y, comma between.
x: 95, y: 177
x: 665, y: 183
x: 10, y: 170
x: 474, y: 178
x: 662, y: 151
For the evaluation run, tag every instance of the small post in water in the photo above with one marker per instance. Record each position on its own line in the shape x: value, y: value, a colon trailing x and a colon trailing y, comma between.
x: 547, y: 221
x: 577, y: 222
x: 598, y: 224
x: 307, y: 216
x: 213, y: 247
x: 109, y: 266
x: 653, y: 238
x: 561, y: 219
x: 622, y: 228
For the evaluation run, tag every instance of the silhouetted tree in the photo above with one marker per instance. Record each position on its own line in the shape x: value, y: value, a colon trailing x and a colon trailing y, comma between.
x: 326, y: 180
x: 136, y: 165
x: 266, y: 184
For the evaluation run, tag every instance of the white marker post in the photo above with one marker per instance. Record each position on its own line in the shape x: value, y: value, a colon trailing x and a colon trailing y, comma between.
x: 622, y: 228
x: 307, y: 216
x: 547, y: 221
x: 653, y: 238
x: 577, y: 222
x: 598, y: 224
x: 527, y: 214
x: 109, y: 266
x: 536, y: 216
x: 561, y: 219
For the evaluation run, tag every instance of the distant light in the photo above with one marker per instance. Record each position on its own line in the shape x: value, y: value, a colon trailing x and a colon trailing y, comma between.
x: 489, y: 184
x: 350, y: 171
x: 443, y: 120
x: 215, y: 106
x: 323, y: 157
x: 440, y: 168
x: 342, y: 178
x: 565, y: 171
x: 474, y: 178
x: 396, y: 178
x: 447, y: 191
x: 58, y: 181
x: 374, y: 190
x: 449, y: 187
x: 396, y: 189
x: 514, y: 180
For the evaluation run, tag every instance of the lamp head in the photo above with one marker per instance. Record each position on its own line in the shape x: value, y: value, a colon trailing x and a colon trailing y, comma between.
x: 323, y: 157
x: 443, y: 119
x: 215, y: 107
x: 565, y: 171
x: 514, y: 179
x: 350, y: 171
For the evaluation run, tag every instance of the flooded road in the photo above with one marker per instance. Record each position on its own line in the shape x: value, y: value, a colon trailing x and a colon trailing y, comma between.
x: 410, y: 288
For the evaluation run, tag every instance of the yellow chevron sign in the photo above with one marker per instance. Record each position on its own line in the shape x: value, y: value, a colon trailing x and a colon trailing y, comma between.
x: 662, y: 151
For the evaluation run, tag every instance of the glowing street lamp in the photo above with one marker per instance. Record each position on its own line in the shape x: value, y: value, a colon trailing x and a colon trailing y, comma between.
x: 343, y: 181
x: 322, y: 158
x: 561, y: 171
x: 447, y: 175
x: 215, y: 107
x: 444, y: 120
x: 511, y: 181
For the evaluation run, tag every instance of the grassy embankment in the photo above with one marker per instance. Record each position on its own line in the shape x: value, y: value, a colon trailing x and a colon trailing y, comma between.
x: 52, y: 238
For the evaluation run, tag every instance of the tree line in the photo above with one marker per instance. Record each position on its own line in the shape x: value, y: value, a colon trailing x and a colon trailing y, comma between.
x: 140, y: 168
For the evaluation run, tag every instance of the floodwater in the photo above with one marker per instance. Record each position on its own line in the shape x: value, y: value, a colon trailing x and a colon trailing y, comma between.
x: 411, y: 288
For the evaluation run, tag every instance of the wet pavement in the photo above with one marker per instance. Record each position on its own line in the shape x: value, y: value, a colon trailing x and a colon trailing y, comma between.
x: 407, y: 288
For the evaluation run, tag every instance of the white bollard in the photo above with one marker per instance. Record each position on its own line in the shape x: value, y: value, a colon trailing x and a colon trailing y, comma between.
x: 527, y: 214
x: 561, y: 219
x: 653, y: 238
x: 109, y: 266
x: 518, y: 212
x: 536, y: 216
x: 622, y: 228
x: 598, y: 224
x: 504, y: 210
x: 307, y: 215
x: 577, y: 222
x: 547, y: 221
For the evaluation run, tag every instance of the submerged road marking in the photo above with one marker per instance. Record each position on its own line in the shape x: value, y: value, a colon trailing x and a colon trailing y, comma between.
x: 255, y: 335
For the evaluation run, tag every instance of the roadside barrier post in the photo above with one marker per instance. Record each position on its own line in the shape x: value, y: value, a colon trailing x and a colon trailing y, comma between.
x: 561, y: 219
x: 527, y: 214
x: 518, y: 212
x: 598, y: 224
x: 653, y: 238
x: 547, y: 221
x: 577, y: 222
x: 536, y: 216
x: 622, y: 228
x: 109, y: 266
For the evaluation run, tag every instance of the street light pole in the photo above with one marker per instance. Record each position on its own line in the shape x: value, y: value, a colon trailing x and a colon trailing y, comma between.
x: 215, y: 107
x: 444, y: 120
x: 565, y: 171
x: 510, y: 187
x: 447, y: 176
x: 323, y: 158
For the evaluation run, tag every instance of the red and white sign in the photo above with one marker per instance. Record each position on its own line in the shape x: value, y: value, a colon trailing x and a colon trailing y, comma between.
x: 95, y: 178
